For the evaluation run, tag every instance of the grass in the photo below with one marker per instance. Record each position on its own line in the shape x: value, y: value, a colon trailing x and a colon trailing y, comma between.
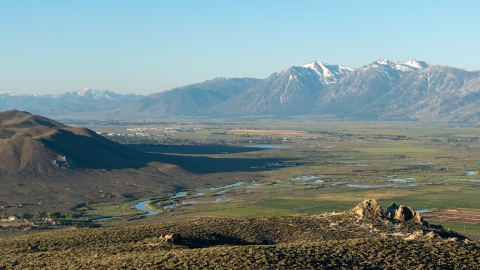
x: 107, y: 210
x: 457, y: 226
x: 396, y: 150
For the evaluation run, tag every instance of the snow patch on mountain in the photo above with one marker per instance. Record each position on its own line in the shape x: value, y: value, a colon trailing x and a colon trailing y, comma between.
x: 328, y: 73
x: 95, y: 94
x: 417, y: 64
x: 411, y: 65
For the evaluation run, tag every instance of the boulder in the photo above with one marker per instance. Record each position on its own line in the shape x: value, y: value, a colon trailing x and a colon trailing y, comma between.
x: 369, y: 209
x: 171, y: 238
x: 402, y: 213
x: 418, y: 218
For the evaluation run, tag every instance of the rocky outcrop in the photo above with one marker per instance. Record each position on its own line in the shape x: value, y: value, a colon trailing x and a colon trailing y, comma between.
x: 170, y: 238
x: 402, y: 213
x: 420, y: 234
x: 369, y: 209
x: 63, y: 161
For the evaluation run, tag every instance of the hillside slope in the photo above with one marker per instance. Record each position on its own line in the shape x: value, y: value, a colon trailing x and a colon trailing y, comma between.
x: 362, y: 238
x: 188, y: 100
x: 44, y: 163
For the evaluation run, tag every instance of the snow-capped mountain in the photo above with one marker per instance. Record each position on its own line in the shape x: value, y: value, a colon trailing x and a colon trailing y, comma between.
x: 328, y: 73
x: 85, y: 101
x: 412, y: 90
x: 94, y: 94
x: 412, y: 65
x: 290, y: 91
x: 382, y: 90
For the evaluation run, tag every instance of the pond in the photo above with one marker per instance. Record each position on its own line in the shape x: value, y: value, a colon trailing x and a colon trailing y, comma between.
x: 424, y: 211
x: 470, y: 173
x: 227, y: 186
x: 366, y: 186
x: 421, y: 163
x: 305, y: 177
x: 179, y: 195
x: 402, y: 180
x: 266, y: 146
x: 172, y: 206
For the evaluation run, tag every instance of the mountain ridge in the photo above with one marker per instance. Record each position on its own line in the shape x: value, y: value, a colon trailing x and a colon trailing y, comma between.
x: 190, y: 99
x: 83, y: 101
x: 381, y: 90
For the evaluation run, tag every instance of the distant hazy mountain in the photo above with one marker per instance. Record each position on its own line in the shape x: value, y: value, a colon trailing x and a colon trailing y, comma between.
x: 192, y: 99
x: 71, y: 103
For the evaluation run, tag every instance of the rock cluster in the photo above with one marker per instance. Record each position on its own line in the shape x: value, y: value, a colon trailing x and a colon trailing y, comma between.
x: 370, y: 209
x: 402, y: 213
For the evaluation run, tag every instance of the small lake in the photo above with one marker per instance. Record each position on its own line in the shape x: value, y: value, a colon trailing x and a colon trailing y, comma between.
x: 172, y: 206
x: 227, y: 186
x: 402, y: 180
x: 424, y: 211
x: 366, y: 186
x: 305, y: 177
x: 179, y: 195
x: 421, y: 163
x: 469, y: 173
x: 266, y: 146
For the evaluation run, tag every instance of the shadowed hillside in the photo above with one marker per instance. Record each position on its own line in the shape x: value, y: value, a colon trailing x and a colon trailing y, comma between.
x: 46, y: 163
x: 35, y: 144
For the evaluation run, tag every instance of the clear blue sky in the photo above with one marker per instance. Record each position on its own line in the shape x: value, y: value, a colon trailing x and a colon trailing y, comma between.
x: 150, y: 46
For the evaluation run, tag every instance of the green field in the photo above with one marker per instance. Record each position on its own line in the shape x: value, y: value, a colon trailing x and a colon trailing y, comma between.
x: 354, y: 160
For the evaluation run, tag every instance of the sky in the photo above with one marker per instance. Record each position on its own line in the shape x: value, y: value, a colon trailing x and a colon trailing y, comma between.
x: 143, y: 47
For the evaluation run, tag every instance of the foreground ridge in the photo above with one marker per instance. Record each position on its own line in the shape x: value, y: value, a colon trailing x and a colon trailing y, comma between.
x: 364, y: 237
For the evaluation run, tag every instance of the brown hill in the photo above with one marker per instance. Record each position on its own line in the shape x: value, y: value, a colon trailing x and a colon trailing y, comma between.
x: 48, y: 165
x: 35, y: 144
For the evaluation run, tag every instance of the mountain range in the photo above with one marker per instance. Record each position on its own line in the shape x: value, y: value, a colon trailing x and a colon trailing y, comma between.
x: 84, y: 101
x: 382, y: 90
